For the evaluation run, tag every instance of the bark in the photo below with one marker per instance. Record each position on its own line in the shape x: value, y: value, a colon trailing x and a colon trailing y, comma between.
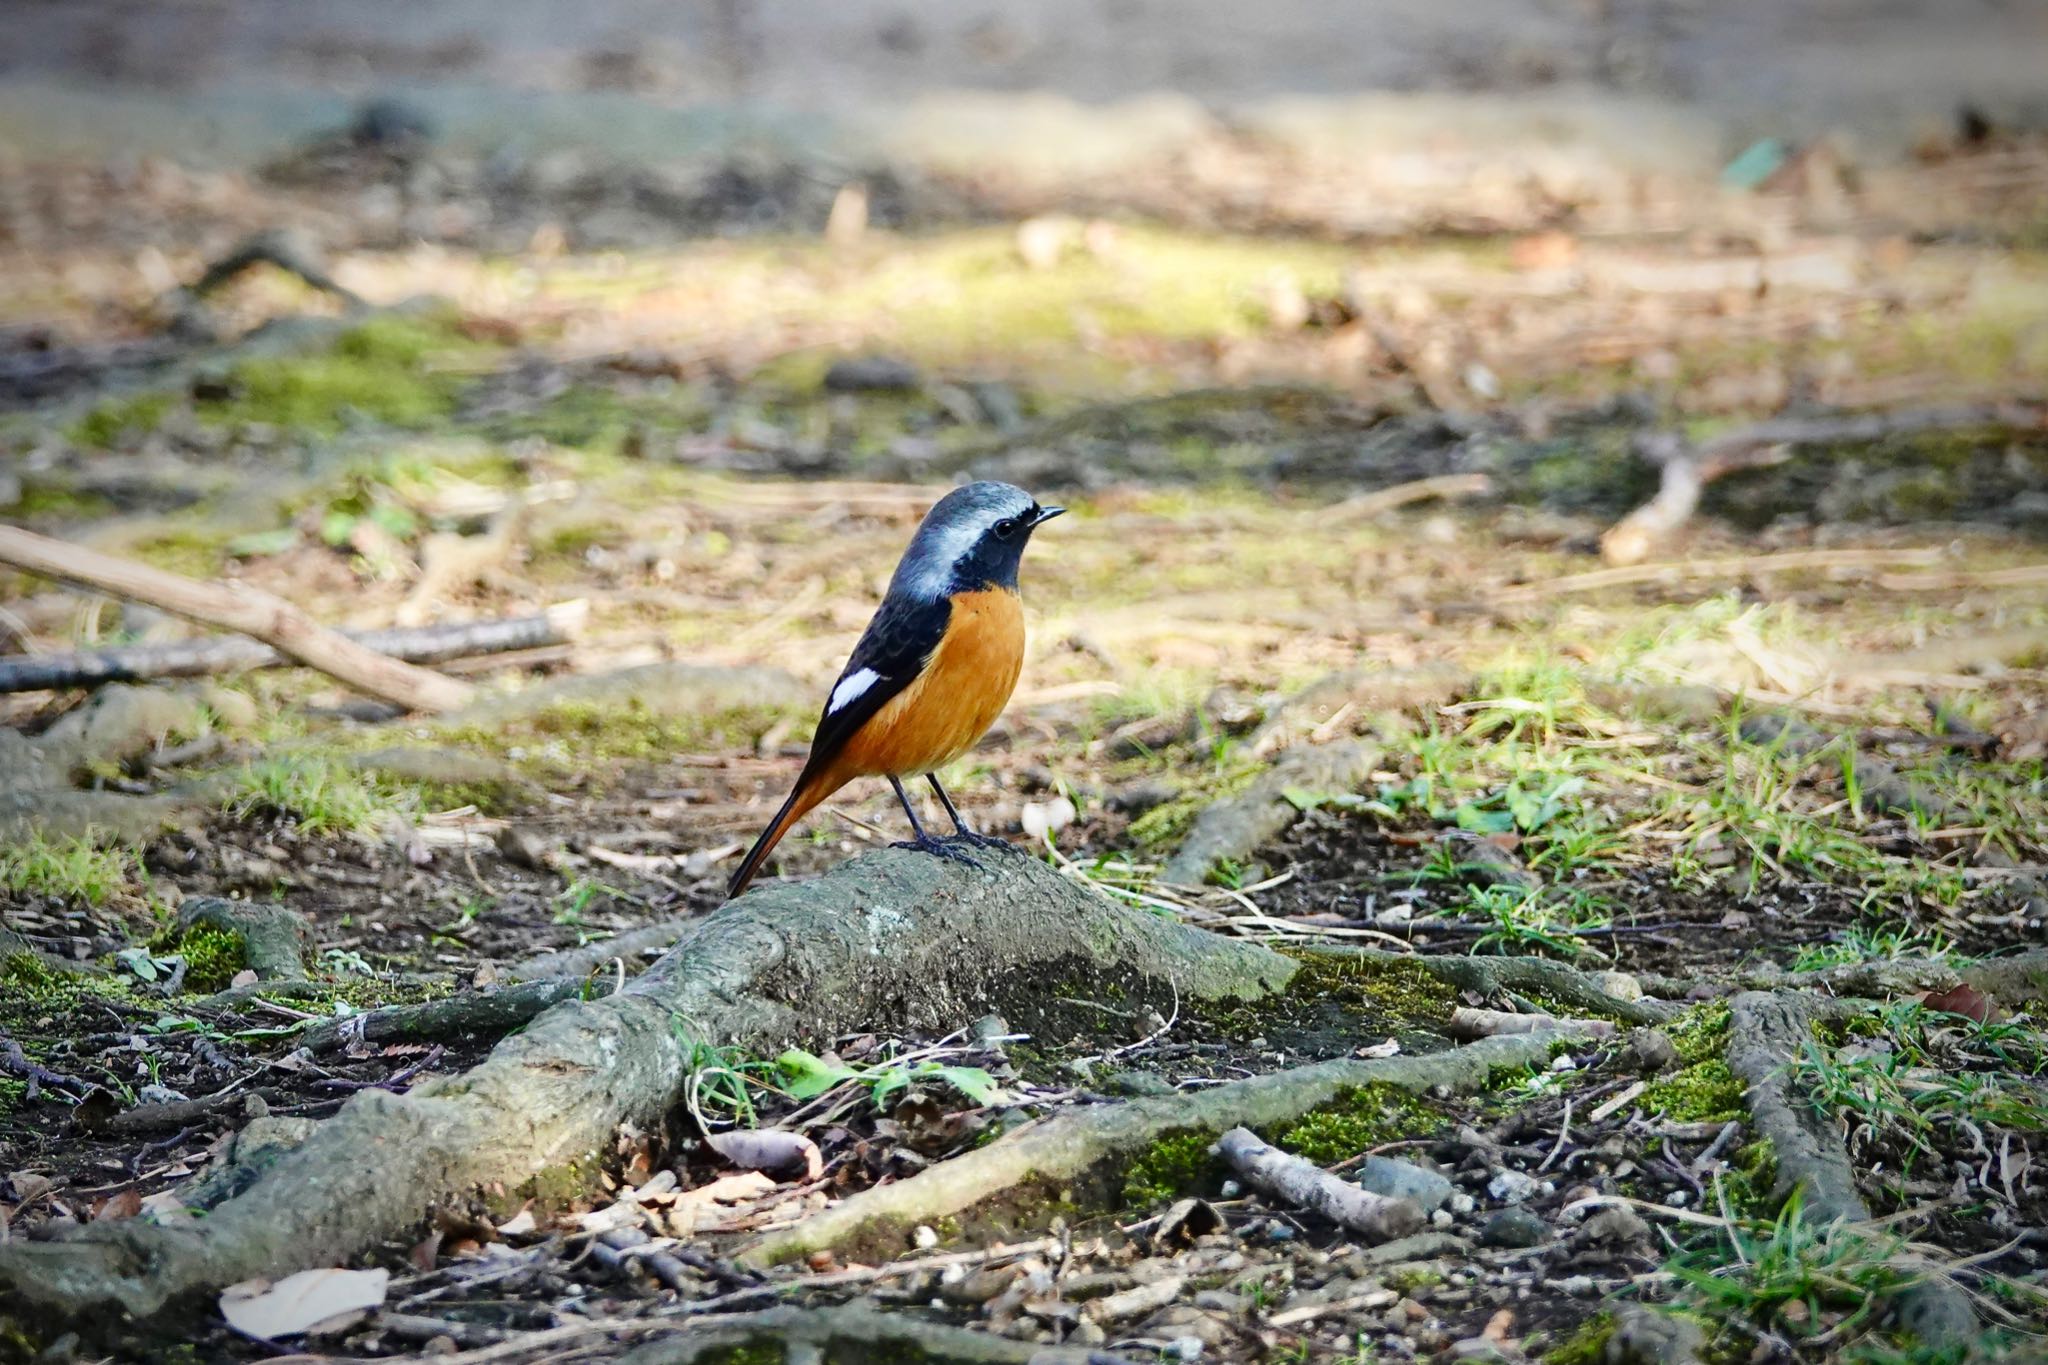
x: 1471, y: 1023
x: 1307, y: 1185
x: 1077, y: 1157
x: 236, y: 607
x: 895, y: 940
x: 218, y: 654
x: 1489, y: 976
x: 479, y: 1013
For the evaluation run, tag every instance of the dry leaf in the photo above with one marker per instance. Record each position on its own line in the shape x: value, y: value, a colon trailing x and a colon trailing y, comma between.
x: 308, y: 1301
x: 1965, y: 1000
x: 769, y: 1149
x: 115, y: 1207
x: 518, y: 1224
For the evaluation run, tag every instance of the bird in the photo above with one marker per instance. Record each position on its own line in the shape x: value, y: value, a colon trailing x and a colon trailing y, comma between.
x: 931, y: 672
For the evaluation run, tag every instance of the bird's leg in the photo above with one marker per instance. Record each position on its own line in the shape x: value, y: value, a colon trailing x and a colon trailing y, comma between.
x: 960, y: 828
x: 924, y: 843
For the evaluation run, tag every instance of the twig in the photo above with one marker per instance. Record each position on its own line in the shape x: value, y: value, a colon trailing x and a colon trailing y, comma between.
x: 237, y: 607
x: 13, y: 1059
x: 1305, y: 1184
x: 1739, y: 566
x: 1368, y: 505
x: 236, y: 653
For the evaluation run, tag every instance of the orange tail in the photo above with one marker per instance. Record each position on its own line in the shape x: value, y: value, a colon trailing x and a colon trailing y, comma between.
x: 806, y: 795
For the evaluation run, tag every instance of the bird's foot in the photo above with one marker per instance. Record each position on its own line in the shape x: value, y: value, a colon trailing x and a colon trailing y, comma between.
x: 939, y: 848
x: 973, y: 840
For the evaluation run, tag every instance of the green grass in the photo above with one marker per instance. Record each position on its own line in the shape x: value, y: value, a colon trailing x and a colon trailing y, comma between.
x: 320, y: 794
x: 67, y: 869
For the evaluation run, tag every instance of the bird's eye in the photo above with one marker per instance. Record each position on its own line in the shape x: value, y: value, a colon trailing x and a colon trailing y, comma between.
x: 1006, y: 528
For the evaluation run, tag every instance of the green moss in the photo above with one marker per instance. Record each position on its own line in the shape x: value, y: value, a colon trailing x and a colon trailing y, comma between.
x: 1406, y: 1279
x: 378, y: 371
x: 1704, y: 1092
x: 1752, y: 1179
x: 1587, y: 1346
x: 195, y: 554
x: 46, y: 500
x: 1359, y: 1119
x: 12, y: 1093
x: 1170, y: 819
x: 212, y: 957
x: 112, y: 418
x: 1178, y: 1163
x: 1701, y: 1033
x: 1404, y: 991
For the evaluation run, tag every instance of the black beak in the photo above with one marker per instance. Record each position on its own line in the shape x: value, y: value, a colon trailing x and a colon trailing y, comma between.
x: 1044, y: 514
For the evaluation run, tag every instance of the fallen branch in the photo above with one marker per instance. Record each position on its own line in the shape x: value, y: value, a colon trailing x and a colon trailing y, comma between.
x: 1307, y: 1185
x: 222, y: 654
x: 1471, y: 1023
x: 894, y: 940
x: 236, y: 607
x: 1081, y: 1153
x: 1234, y: 827
x: 1768, y: 1031
x: 1687, y: 469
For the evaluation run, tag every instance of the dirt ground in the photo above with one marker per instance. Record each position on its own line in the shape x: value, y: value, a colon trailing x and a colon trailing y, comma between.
x: 1805, y: 734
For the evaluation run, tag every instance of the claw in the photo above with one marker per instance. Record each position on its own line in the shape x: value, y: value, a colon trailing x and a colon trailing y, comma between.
x: 987, y: 841
x: 939, y: 848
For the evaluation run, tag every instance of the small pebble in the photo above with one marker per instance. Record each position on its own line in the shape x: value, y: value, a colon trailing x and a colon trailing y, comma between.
x: 1231, y: 1190
x: 1461, y: 1203
x: 1279, y: 1232
x: 1186, y: 1348
x: 1564, y: 1064
x: 1404, y: 1180
x: 924, y: 1238
x: 1441, y: 1218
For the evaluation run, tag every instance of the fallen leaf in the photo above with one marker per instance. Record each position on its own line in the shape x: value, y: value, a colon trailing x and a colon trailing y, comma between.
x: 115, y: 1207
x: 165, y: 1207
x: 518, y: 1224
x: 769, y: 1149
x: 729, y: 1189
x: 305, y: 1302
x: 1965, y: 1000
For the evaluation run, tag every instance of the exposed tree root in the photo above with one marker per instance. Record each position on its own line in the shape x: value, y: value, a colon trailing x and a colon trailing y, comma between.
x: 1768, y: 1030
x: 275, y: 940
x: 1076, y: 1157
x: 117, y: 724
x: 482, y: 1014
x: 1235, y: 826
x: 580, y: 962
x: 895, y: 940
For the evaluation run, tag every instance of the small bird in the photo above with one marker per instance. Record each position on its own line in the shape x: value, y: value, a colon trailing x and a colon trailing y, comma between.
x: 933, y: 670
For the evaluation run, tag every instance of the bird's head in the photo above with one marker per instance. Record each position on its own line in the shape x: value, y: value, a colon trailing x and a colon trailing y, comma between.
x: 973, y: 538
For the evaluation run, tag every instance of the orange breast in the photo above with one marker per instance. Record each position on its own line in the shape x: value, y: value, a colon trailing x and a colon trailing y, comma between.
x: 950, y: 706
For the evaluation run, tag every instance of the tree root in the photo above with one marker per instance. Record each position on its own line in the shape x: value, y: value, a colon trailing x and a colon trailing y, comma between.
x: 1236, y: 826
x: 581, y: 962
x: 275, y: 940
x: 1768, y: 1031
x: 1077, y: 1157
x: 481, y: 1013
x: 892, y: 940
x: 119, y: 723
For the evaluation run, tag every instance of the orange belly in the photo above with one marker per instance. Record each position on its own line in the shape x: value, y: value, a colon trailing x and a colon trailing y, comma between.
x: 963, y: 688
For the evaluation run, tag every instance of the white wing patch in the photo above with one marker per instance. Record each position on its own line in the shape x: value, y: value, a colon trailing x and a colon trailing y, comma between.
x: 850, y: 687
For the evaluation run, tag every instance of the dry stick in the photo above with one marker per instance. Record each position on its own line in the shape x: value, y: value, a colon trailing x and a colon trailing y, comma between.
x: 1475, y: 1023
x: 219, y: 654
x: 1303, y: 1183
x: 237, y: 607
x: 1734, y: 566
x: 1687, y: 469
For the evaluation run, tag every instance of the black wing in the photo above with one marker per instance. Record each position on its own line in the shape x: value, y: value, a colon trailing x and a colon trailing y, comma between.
x: 894, y: 648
